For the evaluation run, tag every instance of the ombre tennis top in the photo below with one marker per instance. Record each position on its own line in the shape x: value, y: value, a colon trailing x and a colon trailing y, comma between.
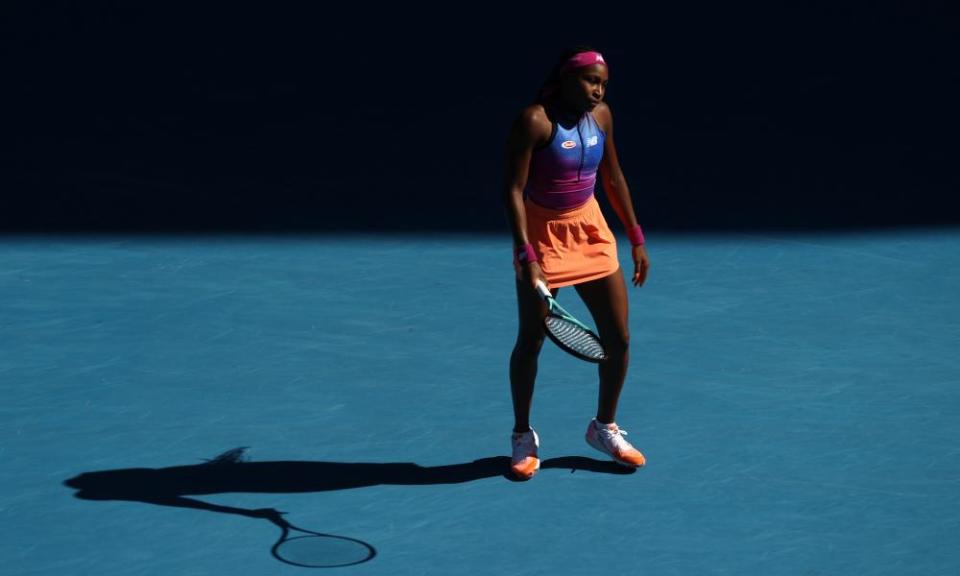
x: 563, y: 172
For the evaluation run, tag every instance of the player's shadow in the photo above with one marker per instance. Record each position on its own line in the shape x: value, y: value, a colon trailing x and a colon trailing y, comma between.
x: 227, y: 473
x: 176, y: 485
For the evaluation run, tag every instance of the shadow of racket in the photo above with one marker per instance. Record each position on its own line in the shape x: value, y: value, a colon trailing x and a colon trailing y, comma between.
x: 309, y: 549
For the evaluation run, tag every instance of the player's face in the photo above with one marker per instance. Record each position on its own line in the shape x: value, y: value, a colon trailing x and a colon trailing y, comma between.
x: 586, y: 87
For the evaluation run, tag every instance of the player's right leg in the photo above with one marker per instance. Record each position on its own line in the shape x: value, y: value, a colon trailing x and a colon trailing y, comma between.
x: 525, y: 460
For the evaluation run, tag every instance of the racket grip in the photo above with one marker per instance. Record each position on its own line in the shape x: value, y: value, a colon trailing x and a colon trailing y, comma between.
x: 543, y: 290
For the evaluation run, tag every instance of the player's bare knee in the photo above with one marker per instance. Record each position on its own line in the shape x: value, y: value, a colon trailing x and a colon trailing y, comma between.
x: 529, y: 344
x: 617, y: 345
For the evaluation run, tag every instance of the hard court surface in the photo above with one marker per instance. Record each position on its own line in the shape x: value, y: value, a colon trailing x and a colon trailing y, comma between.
x: 797, y: 397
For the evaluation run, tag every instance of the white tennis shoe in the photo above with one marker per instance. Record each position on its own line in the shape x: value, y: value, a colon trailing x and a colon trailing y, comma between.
x: 609, y: 439
x: 525, y: 461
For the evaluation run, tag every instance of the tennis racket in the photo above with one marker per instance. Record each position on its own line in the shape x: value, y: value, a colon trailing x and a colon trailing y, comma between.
x: 567, y: 332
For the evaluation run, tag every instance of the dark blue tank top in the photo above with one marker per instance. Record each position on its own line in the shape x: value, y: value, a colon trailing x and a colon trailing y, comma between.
x: 563, y: 173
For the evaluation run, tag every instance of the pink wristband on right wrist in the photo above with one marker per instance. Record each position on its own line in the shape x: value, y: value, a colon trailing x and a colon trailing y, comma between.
x: 635, y: 235
x: 526, y: 254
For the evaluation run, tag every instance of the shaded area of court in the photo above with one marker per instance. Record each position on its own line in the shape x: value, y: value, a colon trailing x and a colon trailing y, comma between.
x: 254, y: 117
x: 796, y: 395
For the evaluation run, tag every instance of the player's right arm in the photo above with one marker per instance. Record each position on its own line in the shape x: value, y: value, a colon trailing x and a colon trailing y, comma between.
x: 530, y: 129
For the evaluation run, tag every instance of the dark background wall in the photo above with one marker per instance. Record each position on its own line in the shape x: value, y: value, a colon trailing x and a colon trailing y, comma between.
x: 235, y: 116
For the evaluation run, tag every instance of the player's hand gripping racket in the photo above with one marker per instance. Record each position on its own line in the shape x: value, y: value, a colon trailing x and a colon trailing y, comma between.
x: 569, y: 333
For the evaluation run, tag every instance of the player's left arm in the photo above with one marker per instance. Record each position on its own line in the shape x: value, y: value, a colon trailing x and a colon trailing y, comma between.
x: 618, y: 193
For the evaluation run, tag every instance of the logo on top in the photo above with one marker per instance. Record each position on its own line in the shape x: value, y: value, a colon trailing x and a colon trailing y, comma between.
x: 568, y: 144
x: 592, y: 141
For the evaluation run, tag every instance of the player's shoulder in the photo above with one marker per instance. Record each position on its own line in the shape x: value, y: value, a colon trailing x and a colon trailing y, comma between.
x: 603, y: 115
x: 533, y: 115
x: 534, y: 122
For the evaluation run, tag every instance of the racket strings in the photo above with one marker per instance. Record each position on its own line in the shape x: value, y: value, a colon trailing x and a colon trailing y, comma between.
x: 575, y: 337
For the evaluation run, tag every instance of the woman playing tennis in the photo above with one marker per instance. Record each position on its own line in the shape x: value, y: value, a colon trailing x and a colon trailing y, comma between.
x: 554, y: 151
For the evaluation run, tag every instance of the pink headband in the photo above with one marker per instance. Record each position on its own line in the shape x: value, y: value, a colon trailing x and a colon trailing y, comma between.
x: 582, y: 60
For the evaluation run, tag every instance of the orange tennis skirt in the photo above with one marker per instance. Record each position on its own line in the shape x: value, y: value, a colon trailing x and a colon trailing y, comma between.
x: 574, y: 245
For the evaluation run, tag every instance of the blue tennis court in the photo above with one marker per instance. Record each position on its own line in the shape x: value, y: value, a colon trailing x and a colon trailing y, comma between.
x: 797, y: 397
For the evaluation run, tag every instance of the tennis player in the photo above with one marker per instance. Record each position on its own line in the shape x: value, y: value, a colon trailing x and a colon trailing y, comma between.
x: 555, y: 149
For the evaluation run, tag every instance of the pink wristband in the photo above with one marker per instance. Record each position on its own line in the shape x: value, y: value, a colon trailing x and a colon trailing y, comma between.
x: 635, y: 235
x: 526, y: 254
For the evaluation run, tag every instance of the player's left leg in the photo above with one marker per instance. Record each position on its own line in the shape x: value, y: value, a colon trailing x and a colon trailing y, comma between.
x: 606, y: 298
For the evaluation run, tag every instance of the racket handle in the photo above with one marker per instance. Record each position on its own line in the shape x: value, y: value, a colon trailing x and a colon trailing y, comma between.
x: 543, y: 290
